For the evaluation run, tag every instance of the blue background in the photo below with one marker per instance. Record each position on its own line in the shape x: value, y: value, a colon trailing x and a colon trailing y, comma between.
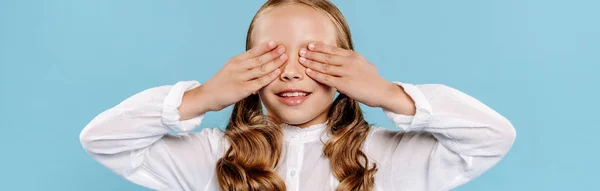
x: 534, y: 61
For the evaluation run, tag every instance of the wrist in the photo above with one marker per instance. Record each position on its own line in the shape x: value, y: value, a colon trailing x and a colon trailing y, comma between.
x: 204, y: 102
x: 194, y: 103
x: 397, y: 100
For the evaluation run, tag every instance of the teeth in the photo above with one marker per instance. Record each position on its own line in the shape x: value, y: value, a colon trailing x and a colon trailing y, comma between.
x: 293, y: 94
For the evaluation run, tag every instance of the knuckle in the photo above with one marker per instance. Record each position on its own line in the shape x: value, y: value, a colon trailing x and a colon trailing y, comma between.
x: 231, y: 62
x: 251, y: 52
x: 238, y: 78
x: 263, y: 69
x: 259, y: 81
x: 229, y: 66
x: 354, y: 56
x: 257, y: 60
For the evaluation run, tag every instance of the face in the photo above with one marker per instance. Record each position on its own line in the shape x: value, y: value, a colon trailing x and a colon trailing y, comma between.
x: 295, y: 26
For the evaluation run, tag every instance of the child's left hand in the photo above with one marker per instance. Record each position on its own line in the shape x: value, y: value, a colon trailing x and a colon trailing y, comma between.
x: 348, y: 72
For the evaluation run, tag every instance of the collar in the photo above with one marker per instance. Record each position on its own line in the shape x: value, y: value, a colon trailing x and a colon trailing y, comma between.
x: 295, y: 134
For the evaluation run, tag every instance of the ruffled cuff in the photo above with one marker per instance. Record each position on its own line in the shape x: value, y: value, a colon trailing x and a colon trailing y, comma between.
x: 170, y: 114
x: 422, y: 115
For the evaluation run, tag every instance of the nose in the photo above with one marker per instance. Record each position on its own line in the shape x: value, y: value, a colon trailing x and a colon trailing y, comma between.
x: 292, y: 70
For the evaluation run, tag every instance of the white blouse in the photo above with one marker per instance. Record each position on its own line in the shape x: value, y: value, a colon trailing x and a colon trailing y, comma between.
x: 451, y: 139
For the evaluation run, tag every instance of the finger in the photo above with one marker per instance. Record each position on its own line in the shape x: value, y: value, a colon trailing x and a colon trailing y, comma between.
x: 265, y: 68
x: 321, y: 67
x: 325, y: 48
x: 324, y: 58
x: 323, y: 78
x: 263, y: 59
x: 257, y: 50
x: 262, y: 81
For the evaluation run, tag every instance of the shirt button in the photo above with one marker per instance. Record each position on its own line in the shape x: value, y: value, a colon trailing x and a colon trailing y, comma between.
x: 293, y: 173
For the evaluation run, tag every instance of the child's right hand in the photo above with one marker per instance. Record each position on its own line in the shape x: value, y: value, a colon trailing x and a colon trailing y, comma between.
x: 242, y: 75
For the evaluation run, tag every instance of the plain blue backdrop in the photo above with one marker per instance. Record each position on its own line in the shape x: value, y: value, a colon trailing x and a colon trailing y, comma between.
x: 65, y: 61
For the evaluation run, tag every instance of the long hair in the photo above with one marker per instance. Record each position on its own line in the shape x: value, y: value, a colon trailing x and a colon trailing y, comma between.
x: 256, y: 141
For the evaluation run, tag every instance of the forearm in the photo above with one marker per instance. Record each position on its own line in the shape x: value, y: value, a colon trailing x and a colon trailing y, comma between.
x: 194, y: 103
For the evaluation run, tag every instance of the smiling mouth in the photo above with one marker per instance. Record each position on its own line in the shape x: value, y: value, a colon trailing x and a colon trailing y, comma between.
x: 293, y: 94
x: 293, y: 98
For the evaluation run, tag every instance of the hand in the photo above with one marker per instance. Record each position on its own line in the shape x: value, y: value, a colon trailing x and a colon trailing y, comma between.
x: 243, y: 75
x: 347, y: 71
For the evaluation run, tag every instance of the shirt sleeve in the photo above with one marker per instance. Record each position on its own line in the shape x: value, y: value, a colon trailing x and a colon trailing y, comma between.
x: 143, y: 140
x: 451, y: 139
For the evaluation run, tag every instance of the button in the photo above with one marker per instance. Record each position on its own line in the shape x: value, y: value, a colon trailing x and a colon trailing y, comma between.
x: 293, y: 173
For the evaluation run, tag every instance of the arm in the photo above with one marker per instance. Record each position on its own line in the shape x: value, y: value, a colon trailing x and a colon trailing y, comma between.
x: 132, y: 139
x: 451, y: 138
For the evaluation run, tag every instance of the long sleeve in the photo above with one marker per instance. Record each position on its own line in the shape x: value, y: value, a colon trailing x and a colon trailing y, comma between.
x: 451, y: 139
x: 143, y: 140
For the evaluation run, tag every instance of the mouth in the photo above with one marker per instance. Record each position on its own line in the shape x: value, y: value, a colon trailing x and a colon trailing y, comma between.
x: 293, y: 97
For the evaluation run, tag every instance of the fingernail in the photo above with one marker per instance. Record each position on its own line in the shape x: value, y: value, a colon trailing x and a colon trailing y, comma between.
x: 280, y: 50
x: 271, y: 44
x: 311, y: 46
x: 302, y: 59
x: 308, y: 70
x: 302, y: 52
x: 277, y: 71
x: 283, y: 57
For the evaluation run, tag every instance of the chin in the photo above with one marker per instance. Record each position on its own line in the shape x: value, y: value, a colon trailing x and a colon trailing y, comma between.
x: 294, y: 118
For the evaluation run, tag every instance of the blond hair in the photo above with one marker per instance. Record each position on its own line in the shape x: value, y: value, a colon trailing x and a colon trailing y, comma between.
x: 256, y: 141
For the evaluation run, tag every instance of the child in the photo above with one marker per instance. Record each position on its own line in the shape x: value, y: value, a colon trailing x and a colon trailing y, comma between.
x: 299, y: 54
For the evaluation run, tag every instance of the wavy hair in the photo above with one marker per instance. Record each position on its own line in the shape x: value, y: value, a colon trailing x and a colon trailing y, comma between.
x: 256, y: 141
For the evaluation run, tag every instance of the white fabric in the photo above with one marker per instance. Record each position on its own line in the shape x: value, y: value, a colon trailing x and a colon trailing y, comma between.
x: 451, y: 139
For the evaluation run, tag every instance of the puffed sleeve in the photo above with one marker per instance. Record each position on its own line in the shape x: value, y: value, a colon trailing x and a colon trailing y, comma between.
x: 451, y: 139
x: 143, y: 140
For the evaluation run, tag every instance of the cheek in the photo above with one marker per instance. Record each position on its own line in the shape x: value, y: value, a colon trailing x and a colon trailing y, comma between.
x: 266, y: 94
x: 266, y: 89
x: 328, y: 93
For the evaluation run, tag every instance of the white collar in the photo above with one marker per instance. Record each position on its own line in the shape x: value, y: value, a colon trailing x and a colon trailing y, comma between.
x: 297, y: 134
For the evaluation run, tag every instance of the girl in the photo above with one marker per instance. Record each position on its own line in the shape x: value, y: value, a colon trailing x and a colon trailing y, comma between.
x: 299, y: 54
